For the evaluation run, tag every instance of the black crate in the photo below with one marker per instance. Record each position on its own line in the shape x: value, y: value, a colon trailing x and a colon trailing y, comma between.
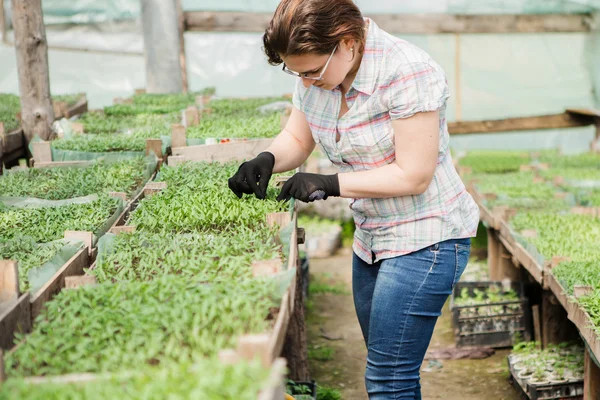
x: 559, y: 391
x: 494, y: 325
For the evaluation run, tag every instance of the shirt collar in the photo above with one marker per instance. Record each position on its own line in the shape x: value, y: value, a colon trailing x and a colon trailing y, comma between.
x: 367, y: 74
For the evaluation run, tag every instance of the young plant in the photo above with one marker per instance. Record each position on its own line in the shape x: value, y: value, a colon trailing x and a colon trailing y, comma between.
x: 46, y: 224
x: 64, y: 183
x: 127, y: 325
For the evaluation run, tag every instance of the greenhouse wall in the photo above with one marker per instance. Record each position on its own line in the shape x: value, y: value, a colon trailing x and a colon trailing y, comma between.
x: 500, y: 75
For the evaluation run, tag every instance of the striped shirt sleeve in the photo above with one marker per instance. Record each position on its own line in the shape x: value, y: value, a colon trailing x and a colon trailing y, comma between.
x: 417, y: 87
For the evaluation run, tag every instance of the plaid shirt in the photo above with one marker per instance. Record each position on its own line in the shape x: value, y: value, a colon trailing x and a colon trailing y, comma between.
x: 395, y: 80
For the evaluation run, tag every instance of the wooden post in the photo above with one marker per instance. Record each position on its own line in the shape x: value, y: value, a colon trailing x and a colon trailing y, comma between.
x: 493, y: 244
x: 591, y: 379
x: 505, y: 268
x: 31, y: 47
x: 162, y: 46
x: 2, y: 22
x: 295, y: 348
x: 181, y: 29
x: 537, y: 327
x: 556, y: 327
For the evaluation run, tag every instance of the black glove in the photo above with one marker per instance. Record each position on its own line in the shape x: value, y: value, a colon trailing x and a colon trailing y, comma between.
x: 310, y: 187
x: 253, y: 176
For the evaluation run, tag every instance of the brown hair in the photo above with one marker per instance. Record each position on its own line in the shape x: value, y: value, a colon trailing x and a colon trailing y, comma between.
x: 311, y: 26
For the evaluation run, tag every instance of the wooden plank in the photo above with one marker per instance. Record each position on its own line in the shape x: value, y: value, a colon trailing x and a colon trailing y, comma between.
x: 266, y: 267
x: 584, y: 324
x: 250, y: 347
x: 178, y: 138
x: 15, y: 317
x: 122, y: 229
x: 406, y: 23
x: 154, y: 146
x: 58, y: 164
x: 223, y: 152
x: 9, y: 281
x: 12, y: 141
x: 275, y: 386
x: 191, y: 117
x: 78, y: 108
x: 528, y: 262
x: 122, y: 219
x: 74, y: 266
x: 588, y: 112
x: 556, y: 288
x: 591, y: 378
x: 86, y: 237
x: 118, y: 195
x: 42, y: 152
x: 181, y: 31
x: 556, y: 121
x: 74, y: 282
x: 279, y: 218
x: 280, y: 327
x: 152, y: 188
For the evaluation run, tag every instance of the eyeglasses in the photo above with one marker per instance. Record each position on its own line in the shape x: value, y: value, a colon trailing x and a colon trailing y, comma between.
x: 305, y: 76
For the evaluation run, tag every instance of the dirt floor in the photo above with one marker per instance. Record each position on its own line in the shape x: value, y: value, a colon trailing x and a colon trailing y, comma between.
x: 332, y: 323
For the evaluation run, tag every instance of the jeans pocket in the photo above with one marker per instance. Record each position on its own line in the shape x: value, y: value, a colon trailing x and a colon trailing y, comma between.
x: 462, y: 258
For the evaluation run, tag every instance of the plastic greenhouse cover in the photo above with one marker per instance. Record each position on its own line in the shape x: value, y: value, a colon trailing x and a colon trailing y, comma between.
x: 38, y: 276
x: 32, y: 202
x: 85, y: 11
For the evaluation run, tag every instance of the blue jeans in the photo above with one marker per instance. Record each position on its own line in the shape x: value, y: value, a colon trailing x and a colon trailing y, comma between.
x: 398, y: 302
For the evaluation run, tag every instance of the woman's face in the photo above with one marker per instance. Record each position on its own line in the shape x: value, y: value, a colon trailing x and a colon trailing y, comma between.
x: 313, y: 65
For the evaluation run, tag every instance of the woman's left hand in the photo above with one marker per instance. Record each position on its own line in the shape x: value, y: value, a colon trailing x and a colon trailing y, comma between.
x: 310, y: 187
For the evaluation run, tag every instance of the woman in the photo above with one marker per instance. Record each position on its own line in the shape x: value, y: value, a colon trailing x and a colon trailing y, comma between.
x: 377, y: 106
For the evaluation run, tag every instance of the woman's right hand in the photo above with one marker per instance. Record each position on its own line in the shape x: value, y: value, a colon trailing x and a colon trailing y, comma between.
x: 253, y: 176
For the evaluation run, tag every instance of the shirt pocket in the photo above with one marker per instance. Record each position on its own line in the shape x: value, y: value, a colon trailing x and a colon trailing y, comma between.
x: 370, y: 143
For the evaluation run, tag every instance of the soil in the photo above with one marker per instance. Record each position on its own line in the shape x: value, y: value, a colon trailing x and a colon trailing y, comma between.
x: 332, y: 322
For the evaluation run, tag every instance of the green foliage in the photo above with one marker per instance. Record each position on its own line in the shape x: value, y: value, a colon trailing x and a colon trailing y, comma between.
x: 591, y: 304
x: 97, y: 122
x: 573, y: 174
x: 101, y: 143
x: 493, y: 294
x: 236, y: 118
x: 208, y: 257
x: 202, y: 201
x: 71, y: 99
x: 128, y: 325
x: 514, y: 185
x: 321, y: 353
x: 571, y: 273
x: 29, y: 255
x: 240, y: 381
x: 9, y: 107
x: 327, y: 393
x: 495, y: 161
x: 563, y: 234
x: 321, y: 285
x: 45, y: 224
x: 63, y: 183
x: 236, y: 127
x: 558, y: 161
x: 315, y: 225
